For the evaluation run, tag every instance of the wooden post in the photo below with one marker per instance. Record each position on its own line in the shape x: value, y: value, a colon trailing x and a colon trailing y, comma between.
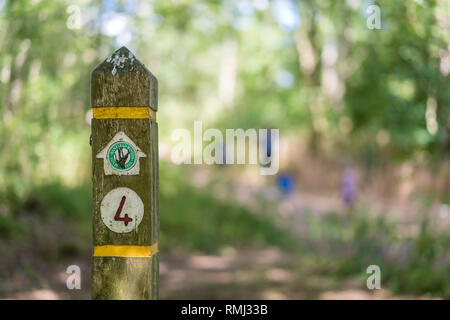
x: 124, y: 96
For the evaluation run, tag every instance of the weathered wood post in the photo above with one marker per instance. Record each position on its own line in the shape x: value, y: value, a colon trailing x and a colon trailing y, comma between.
x: 124, y: 96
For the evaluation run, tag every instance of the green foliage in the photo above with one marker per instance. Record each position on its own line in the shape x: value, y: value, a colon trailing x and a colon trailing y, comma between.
x: 390, y: 77
x: 43, y: 94
x: 10, y: 227
x: 195, y: 220
x: 191, y: 219
x: 414, y: 264
x: 56, y: 200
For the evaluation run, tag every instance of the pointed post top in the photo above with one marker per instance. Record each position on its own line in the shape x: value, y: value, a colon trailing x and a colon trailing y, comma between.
x: 122, y: 60
x: 121, y: 80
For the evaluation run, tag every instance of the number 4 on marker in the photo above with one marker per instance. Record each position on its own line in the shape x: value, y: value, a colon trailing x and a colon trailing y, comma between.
x: 117, y: 217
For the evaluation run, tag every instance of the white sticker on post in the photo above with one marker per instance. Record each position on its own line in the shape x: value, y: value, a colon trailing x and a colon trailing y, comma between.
x: 122, y: 210
x: 121, y: 156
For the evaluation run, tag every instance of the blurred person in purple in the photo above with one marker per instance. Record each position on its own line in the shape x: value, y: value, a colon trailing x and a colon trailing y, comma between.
x: 349, y: 187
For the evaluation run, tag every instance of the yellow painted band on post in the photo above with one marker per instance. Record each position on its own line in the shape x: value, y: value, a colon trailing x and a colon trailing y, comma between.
x: 123, y: 113
x: 127, y: 251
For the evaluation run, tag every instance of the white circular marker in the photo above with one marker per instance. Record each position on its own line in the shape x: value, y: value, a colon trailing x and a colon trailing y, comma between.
x: 122, y: 210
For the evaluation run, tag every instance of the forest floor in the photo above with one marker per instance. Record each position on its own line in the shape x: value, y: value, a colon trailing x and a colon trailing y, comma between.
x: 249, y: 273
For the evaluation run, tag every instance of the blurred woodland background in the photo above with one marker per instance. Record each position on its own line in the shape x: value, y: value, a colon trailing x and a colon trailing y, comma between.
x: 364, y: 119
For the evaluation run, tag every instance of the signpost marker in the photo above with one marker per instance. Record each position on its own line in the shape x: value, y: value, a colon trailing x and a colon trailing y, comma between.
x: 124, y: 97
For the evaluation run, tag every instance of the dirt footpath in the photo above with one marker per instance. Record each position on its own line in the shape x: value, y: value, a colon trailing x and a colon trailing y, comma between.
x: 247, y: 274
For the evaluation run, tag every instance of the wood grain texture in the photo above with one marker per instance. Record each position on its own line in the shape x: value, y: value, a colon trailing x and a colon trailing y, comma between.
x: 124, y: 278
x: 131, y: 84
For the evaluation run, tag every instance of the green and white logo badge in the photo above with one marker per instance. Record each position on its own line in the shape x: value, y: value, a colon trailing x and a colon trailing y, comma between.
x: 122, y: 156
